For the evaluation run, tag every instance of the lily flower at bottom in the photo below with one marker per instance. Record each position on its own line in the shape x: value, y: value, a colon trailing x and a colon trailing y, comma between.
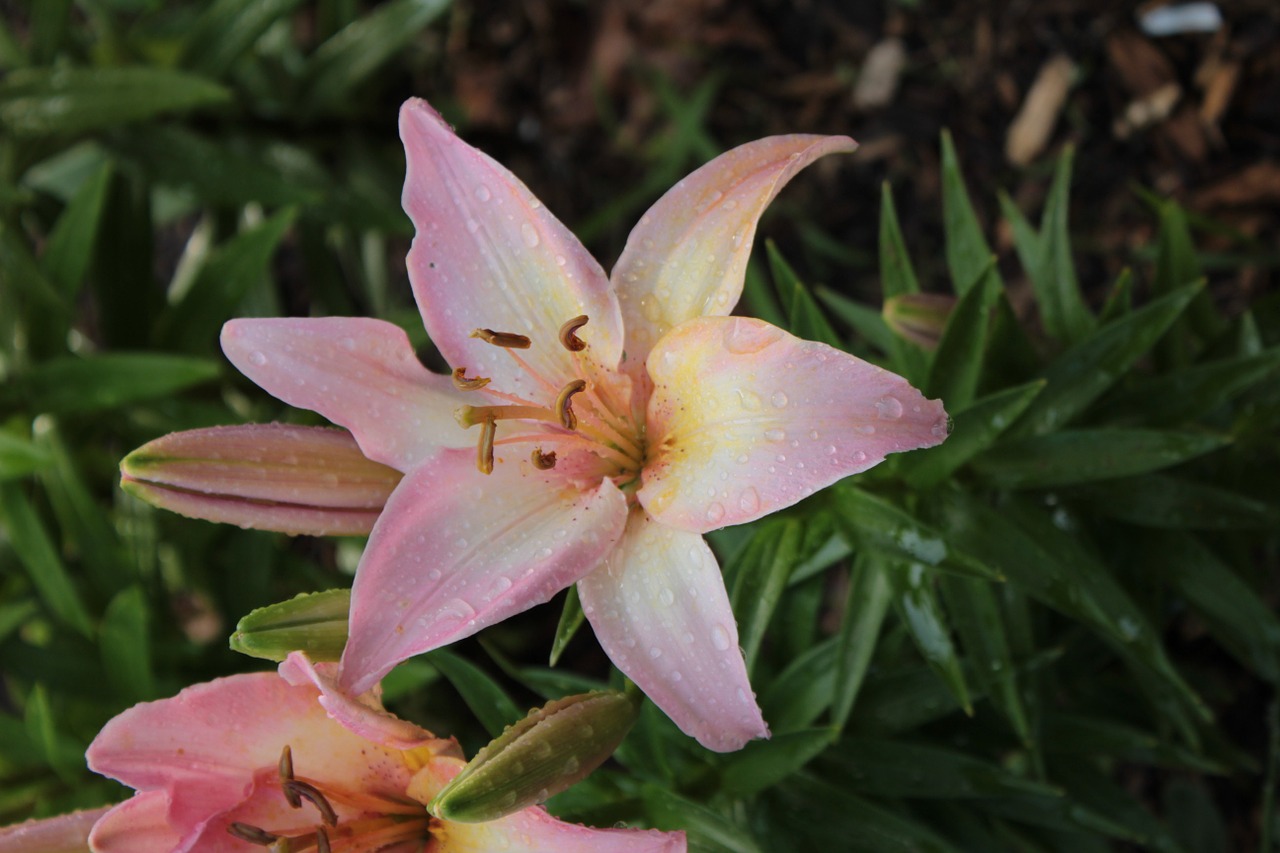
x: 261, y: 761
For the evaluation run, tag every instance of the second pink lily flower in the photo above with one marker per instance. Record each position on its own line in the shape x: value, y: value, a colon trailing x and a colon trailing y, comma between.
x: 618, y: 419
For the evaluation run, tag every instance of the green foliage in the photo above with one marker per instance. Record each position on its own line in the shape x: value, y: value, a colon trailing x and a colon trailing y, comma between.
x: 955, y: 651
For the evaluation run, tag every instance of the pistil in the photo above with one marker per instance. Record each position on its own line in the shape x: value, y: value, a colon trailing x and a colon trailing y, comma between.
x: 464, y: 383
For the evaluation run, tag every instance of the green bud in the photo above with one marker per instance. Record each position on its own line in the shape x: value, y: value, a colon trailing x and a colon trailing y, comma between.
x: 313, y: 622
x: 919, y: 317
x: 540, y: 756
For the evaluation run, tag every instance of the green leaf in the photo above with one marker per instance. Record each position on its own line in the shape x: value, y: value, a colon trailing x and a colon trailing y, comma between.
x: 974, y: 429
x: 571, y: 619
x: 903, y: 699
x: 1054, y: 277
x: 227, y: 29
x: 488, y: 701
x: 917, y: 604
x: 19, y: 457
x: 760, y: 571
x: 764, y: 763
x: 878, y: 524
x: 125, y: 646
x: 804, y: 318
x: 1071, y: 457
x: 1191, y: 392
x: 27, y: 537
x: 70, y: 100
x: 898, y: 278
x: 1194, y: 818
x: 1075, y: 734
x: 1120, y: 298
x: 870, y: 593
x: 1174, y: 503
x: 1097, y: 792
x: 802, y: 691
x: 953, y: 373
x: 865, y: 321
x: 975, y: 612
x: 42, y: 730
x: 819, y: 815
x: 1237, y: 617
x: 1081, y: 374
x: 71, y: 244
x: 221, y: 284
x: 891, y: 768
x: 107, y: 381
x: 355, y: 52
x: 968, y: 254
x: 708, y: 830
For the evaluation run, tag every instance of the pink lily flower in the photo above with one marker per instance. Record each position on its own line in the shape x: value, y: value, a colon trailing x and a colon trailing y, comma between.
x: 251, y: 761
x: 68, y: 833
x: 618, y: 420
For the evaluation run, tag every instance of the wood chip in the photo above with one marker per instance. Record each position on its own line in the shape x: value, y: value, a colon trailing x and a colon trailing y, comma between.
x: 878, y: 80
x: 1034, y: 123
x: 1146, y: 111
x: 1258, y: 184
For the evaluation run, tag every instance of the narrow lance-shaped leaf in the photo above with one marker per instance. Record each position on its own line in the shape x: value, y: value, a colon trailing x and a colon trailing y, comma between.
x: 968, y: 253
x: 1054, y: 279
x: 765, y: 564
x: 571, y: 619
x: 804, y: 318
x: 917, y: 604
x: 762, y: 764
x: 26, y: 535
x: 227, y: 29
x: 1177, y: 503
x: 898, y: 279
x: 126, y: 647
x: 71, y: 243
x: 976, y: 615
x: 953, y: 374
x: 489, y: 702
x: 1188, y: 393
x: 870, y: 594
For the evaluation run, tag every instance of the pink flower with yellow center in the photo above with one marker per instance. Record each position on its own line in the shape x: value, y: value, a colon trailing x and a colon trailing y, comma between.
x: 594, y: 427
x: 260, y: 761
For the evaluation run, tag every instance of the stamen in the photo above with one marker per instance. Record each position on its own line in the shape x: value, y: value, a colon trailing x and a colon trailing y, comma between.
x: 286, y: 776
x: 572, y: 342
x: 252, y: 834
x: 462, y: 383
x: 563, y: 407
x: 502, y: 339
x: 484, y: 450
x: 543, y: 461
x: 317, y: 799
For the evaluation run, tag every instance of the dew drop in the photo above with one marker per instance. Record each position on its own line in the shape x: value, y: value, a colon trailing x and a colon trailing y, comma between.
x: 482, y: 193
x: 715, y: 512
x: 676, y: 676
x: 720, y: 637
x: 867, y: 429
x: 529, y: 234
x: 655, y: 652
x: 749, y: 400
x: 473, y: 226
x: 941, y: 427
x: 858, y: 456
x: 433, y: 575
x: 889, y: 408
x: 743, y: 337
x: 749, y: 500
x: 561, y: 260
x: 348, y: 344
x: 775, y: 435
x: 743, y: 458
x: 779, y: 400
x: 501, y: 585
x: 666, y: 596
x: 813, y: 435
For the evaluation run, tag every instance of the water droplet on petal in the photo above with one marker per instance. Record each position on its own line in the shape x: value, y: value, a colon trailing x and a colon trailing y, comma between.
x: 941, y: 427
x: 720, y: 637
x: 473, y: 226
x: 750, y: 400
x: 779, y: 399
x: 676, y: 676
x: 561, y: 260
x: 743, y: 337
x: 529, y: 234
x: 666, y: 596
x: 775, y: 434
x: 715, y: 512
x: 867, y: 429
x: 482, y: 193
x: 889, y: 408
x: 858, y: 456
x: 257, y: 358
x: 655, y: 652
x: 750, y: 499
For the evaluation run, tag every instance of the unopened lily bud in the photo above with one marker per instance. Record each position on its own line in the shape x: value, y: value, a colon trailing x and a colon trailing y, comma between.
x: 919, y: 317
x: 291, y: 479
x: 538, y: 757
x: 313, y: 622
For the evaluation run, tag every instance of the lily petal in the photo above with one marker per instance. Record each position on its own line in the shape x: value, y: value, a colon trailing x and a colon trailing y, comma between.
x: 138, y: 825
x: 748, y: 419
x: 487, y: 254
x: 68, y: 833
x: 291, y: 479
x: 530, y: 830
x: 688, y: 256
x: 181, y: 745
x: 455, y: 551
x: 366, y: 718
x: 659, y: 608
x: 359, y: 373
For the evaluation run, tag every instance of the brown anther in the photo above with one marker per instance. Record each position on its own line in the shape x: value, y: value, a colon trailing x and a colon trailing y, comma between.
x: 252, y: 834
x: 311, y: 793
x: 572, y: 342
x: 564, y: 409
x: 462, y: 383
x: 502, y: 339
x: 322, y: 841
x: 484, y: 450
x: 543, y: 461
x: 286, y: 776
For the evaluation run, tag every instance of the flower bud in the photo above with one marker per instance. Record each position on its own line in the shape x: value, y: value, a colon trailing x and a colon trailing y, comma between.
x: 540, y: 756
x: 313, y: 622
x: 292, y: 479
x: 919, y: 317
